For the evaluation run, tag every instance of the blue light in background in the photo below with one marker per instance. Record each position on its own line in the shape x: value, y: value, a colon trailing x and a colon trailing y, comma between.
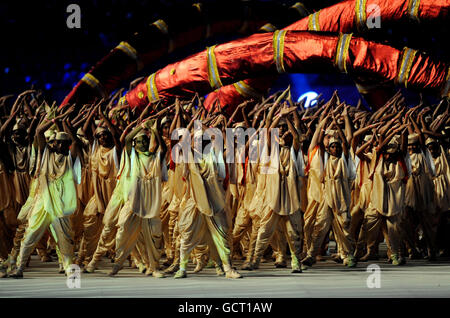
x: 310, y: 96
x: 6, y: 70
x: 27, y: 79
x: 48, y: 86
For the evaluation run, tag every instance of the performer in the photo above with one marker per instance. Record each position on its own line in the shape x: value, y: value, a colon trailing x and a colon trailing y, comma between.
x: 334, y: 209
x: 204, y: 216
x: 140, y: 213
x: 282, y: 197
x: 104, y: 165
x: 56, y: 199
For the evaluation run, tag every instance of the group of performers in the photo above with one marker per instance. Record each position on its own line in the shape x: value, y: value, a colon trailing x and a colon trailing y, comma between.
x: 104, y: 180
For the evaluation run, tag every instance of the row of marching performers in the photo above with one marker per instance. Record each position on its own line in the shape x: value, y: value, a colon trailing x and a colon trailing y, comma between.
x: 109, y: 181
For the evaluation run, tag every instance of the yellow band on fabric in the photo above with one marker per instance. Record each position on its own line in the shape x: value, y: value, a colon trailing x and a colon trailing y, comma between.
x: 360, y: 14
x: 301, y: 9
x: 162, y: 26
x: 122, y: 101
x: 128, y: 50
x: 213, y: 72
x: 343, y: 44
x: 313, y: 22
x: 90, y: 79
x: 405, y: 65
x: 278, y: 50
x: 446, y: 90
x: 245, y: 90
x: 131, y: 52
x: 152, y: 91
x: 268, y: 27
x: 413, y: 9
x: 198, y: 5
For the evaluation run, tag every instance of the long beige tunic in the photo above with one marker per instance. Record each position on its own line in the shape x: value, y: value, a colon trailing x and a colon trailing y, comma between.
x: 104, y: 167
x: 363, y: 184
x: 85, y: 188
x: 419, y: 188
x: 6, y: 188
x: 336, y: 192
x: 388, y: 192
x: 21, y: 175
x: 282, y: 192
x: 314, y: 172
x: 441, y: 182
x: 56, y: 192
x: 146, y: 191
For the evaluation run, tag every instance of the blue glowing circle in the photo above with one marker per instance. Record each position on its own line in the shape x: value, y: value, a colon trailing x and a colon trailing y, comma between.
x: 310, y: 98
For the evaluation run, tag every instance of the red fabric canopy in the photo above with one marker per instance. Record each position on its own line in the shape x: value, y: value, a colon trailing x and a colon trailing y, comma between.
x: 303, y: 52
x: 347, y: 16
x: 177, y: 29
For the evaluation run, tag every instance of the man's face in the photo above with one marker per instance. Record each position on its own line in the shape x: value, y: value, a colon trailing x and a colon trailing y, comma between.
x: 434, y: 149
x: 53, y: 145
x: 165, y: 130
x: 63, y: 146
x: 283, y: 128
x: 335, y: 149
x: 19, y: 137
x: 141, y: 143
x: 414, y: 148
x: 105, y: 139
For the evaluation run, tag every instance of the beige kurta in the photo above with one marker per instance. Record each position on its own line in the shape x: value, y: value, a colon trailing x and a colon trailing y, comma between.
x: 104, y: 167
x: 85, y: 188
x: 363, y: 183
x: 314, y: 171
x: 6, y: 188
x: 21, y: 175
x: 337, y: 185
x: 146, y: 192
x: 388, y: 192
x: 56, y: 192
x: 441, y: 182
x: 419, y: 193
x: 281, y: 187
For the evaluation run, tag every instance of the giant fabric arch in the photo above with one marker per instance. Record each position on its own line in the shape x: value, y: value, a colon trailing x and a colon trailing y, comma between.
x: 290, y: 51
x: 175, y: 30
x: 347, y: 16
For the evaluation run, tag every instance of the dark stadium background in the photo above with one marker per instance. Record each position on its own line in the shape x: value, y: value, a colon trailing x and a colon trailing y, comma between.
x: 39, y: 50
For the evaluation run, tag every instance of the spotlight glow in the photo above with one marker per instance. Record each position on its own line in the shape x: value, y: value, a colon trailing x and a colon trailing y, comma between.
x: 310, y: 98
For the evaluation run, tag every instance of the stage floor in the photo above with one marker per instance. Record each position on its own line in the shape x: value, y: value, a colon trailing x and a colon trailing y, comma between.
x: 418, y: 278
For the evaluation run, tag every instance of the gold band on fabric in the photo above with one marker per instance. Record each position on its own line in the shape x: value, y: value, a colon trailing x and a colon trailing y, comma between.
x: 162, y: 26
x: 301, y: 9
x: 413, y: 9
x: 278, y: 49
x: 90, y: 79
x: 213, y: 72
x: 152, y: 91
x: 122, y: 101
x: 245, y: 90
x: 198, y: 5
x: 131, y: 52
x: 405, y: 65
x: 268, y: 28
x: 343, y: 44
x: 360, y: 14
x: 313, y: 22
